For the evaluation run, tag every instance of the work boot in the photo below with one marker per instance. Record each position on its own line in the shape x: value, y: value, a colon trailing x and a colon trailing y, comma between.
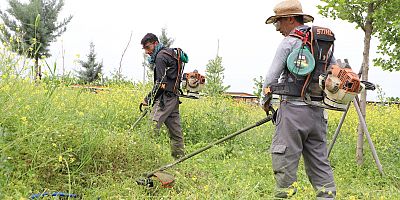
x: 177, y: 151
x: 285, y: 193
x: 326, y: 194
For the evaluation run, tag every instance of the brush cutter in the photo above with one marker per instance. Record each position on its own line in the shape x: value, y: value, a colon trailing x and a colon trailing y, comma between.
x: 167, y: 179
x: 144, y: 113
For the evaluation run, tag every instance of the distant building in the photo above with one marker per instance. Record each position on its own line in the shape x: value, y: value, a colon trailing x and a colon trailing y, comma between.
x: 243, y: 97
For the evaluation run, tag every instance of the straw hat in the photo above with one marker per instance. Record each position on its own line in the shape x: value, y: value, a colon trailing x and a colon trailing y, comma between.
x: 289, y: 8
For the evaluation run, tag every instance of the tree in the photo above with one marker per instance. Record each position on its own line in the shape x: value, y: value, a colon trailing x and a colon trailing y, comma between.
x: 374, y: 17
x: 118, y: 76
x: 258, y: 86
x: 164, y: 39
x: 36, y: 22
x: 215, y: 77
x: 91, y: 69
x: 146, y: 65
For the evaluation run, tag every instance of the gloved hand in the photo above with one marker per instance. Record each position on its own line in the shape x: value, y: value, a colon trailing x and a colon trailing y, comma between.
x: 269, y: 110
x: 266, y: 103
x: 145, y: 102
x: 267, y: 107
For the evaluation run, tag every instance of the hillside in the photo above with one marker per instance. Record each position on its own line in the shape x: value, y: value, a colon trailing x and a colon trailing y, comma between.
x: 57, y: 138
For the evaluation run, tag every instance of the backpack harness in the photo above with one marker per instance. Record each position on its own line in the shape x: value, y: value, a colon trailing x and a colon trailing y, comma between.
x: 181, y: 58
x: 318, y: 42
x: 170, y: 86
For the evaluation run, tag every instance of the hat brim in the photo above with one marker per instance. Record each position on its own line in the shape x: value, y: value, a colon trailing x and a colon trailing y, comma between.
x: 307, y: 18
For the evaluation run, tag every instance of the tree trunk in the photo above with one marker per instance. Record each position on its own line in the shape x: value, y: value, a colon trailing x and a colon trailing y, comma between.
x: 365, y: 67
x: 38, y: 70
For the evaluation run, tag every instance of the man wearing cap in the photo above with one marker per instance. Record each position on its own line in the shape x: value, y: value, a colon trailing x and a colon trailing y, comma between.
x: 300, y: 128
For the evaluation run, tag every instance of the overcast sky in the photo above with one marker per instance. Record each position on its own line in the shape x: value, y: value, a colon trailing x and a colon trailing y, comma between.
x: 246, y: 44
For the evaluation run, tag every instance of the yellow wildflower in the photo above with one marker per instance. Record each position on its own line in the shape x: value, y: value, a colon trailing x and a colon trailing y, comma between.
x: 24, y: 120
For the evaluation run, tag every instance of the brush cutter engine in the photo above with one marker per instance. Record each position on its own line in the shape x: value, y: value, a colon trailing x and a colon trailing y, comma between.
x: 340, y: 86
x: 192, y: 84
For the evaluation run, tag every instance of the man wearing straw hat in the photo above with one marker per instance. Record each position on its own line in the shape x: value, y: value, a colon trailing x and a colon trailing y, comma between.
x: 300, y: 128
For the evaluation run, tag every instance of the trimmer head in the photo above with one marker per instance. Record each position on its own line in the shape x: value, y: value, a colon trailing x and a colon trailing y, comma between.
x: 145, y: 182
x: 167, y: 180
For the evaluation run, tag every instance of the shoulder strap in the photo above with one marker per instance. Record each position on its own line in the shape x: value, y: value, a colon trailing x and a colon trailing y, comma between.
x: 303, y: 34
x: 323, y: 38
x: 180, y: 68
x: 168, y: 53
x: 177, y: 56
x: 322, y: 46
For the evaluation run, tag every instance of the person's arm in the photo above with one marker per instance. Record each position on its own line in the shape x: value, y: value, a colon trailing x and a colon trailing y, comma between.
x: 160, y: 78
x: 277, y: 67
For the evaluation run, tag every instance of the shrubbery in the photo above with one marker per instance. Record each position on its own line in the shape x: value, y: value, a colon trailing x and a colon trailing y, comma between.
x: 57, y: 138
x: 54, y: 137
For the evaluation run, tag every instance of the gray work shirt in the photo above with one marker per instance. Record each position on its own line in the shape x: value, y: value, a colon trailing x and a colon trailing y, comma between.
x: 276, y: 72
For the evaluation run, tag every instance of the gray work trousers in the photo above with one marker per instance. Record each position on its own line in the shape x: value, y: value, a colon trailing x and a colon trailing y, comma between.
x: 301, y: 129
x: 166, y: 110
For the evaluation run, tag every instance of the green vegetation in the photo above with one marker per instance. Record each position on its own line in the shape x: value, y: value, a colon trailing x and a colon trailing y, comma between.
x: 31, y: 27
x: 258, y: 86
x: 91, y: 69
x: 56, y: 138
x: 375, y: 18
x: 215, y: 77
x: 164, y: 39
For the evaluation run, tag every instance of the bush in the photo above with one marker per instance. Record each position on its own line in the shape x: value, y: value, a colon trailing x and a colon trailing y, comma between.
x: 58, y: 138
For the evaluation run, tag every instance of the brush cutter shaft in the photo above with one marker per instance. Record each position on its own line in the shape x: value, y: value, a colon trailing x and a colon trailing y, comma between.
x: 263, y: 121
x: 140, y: 118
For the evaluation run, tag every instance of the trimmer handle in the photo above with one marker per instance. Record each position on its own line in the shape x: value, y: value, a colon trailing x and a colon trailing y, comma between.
x: 272, y: 110
x: 141, y: 107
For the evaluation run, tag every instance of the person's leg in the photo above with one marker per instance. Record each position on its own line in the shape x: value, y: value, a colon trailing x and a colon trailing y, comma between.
x: 316, y: 161
x: 286, y: 149
x: 161, y: 111
x: 173, y: 124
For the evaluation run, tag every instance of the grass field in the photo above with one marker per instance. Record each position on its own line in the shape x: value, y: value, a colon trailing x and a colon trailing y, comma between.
x: 57, y: 138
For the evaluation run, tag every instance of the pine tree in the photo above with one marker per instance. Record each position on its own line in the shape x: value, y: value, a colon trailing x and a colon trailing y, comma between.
x: 215, y: 77
x: 36, y: 22
x: 164, y: 39
x: 91, y: 69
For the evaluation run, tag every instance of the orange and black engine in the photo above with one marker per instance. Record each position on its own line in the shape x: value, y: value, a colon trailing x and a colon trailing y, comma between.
x: 340, y: 85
